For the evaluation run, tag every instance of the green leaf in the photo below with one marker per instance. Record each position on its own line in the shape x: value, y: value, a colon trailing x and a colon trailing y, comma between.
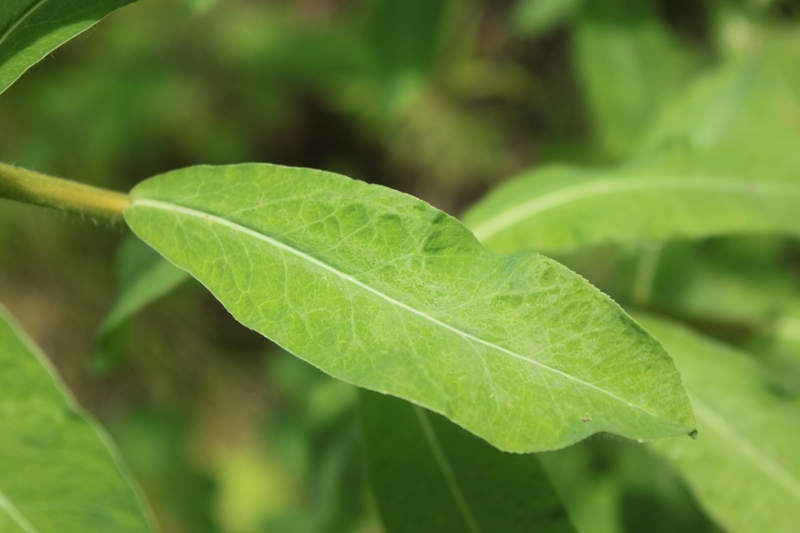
x: 145, y: 277
x: 591, y: 495
x: 533, y: 17
x: 616, y: 486
x: 399, y: 63
x: 560, y: 209
x: 58, y: 470
x: 780, y: 348
x: 744, y: 467
x: 723, y: 160
x: 428, y: 474
x: 31, y: 29
x: 154, y: 277
x: 383, y: 291
x: 742, y: 113
x: 628, y: 65
x: 701, y: 282
x: 340, y: 484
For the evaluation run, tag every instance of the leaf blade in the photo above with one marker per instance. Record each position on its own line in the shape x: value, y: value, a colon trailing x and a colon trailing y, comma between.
x: 560, y: 209
x: 46, y: 437
x: 628, y: 63
x: 430, y: 475
x: 31, y: 29
x: 385, y: 292
x: 722, y: 160
x: 144, y: 277
x: 745, y: 430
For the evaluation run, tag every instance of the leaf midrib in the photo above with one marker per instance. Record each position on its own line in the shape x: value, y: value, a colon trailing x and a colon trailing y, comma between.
x: 15, y: 514
x: 14, y: 25
x: 606, y: 186
x: 209, y: 217
x: 446, y: 469
x: 764, y: 462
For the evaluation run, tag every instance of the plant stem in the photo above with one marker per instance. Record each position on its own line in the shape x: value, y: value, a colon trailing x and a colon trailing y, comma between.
x: 39, y: 189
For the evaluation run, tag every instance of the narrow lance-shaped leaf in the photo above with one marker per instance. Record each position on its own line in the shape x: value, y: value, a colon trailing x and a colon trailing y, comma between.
x: 628, y: 64
x: 744, y: 467
x: 157, y: 280
x: 723, y: 160
x: 383, y: 291
x: 427, y: 474
x: 31, y: 29
x: 560, y: 209
x: 145, y: 277
x: 58, y: 470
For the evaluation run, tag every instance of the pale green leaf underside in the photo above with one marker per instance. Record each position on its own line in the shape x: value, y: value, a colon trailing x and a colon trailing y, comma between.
x: 31, y: 29
x: 383, y: 291
x: 58, y: 471
x: 558, y: 209
x: 428, y: 474
x: 744, y: 467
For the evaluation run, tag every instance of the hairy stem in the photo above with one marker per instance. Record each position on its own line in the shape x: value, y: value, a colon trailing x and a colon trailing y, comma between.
x: 38, y: 189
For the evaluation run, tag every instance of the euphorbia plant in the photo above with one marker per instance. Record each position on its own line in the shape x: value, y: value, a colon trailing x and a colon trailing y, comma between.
x: 479, y: 345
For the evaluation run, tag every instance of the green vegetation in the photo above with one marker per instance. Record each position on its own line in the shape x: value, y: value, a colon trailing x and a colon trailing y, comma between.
x: 643, y: 375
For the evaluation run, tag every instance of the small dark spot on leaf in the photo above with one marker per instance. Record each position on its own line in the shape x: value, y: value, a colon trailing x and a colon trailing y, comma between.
x: 585, y: 419
x: 693, y: 434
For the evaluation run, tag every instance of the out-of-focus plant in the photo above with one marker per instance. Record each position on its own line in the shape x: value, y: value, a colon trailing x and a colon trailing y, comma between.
x: 666, y: 142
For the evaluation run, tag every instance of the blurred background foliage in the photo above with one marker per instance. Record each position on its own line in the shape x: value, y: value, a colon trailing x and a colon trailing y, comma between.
x: 442, y: 99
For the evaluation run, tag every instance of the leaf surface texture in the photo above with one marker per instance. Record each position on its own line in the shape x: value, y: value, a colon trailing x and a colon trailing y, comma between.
x: 383, y: 291
x: 58, y: 470
x: 31, y: 29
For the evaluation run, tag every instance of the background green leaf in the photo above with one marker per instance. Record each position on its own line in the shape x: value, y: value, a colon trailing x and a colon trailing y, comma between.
x: 427, y: 474
x: 742, y: 113
x: 31, y: 29
x: 615, y: 486
x: 144, y: 277
x: 401, y: 298
x: 629, y: 64
x: 58, y: 471
x: 588, y: 488
x: 401, y: 64
x: 744, y: 467
x: 722, y: 159
x: 560, y: 209
x: 533, y: 17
